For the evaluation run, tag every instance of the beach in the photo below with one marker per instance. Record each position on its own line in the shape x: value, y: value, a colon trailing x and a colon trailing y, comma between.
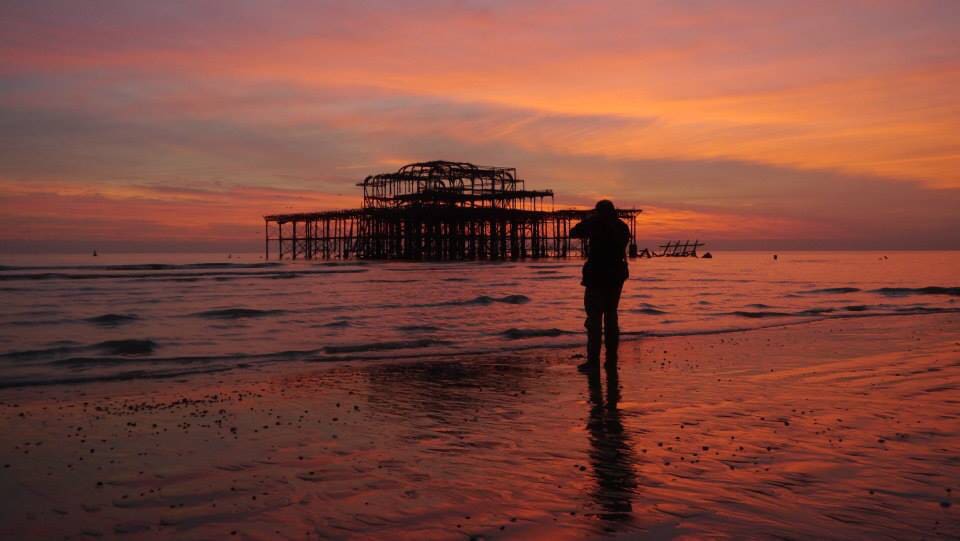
x: 840, y: 428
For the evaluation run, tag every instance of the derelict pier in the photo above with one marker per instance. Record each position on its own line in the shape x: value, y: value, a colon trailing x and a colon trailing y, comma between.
x: 436, y: 211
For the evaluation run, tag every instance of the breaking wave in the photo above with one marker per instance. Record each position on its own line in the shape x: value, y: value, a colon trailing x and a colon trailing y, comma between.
x: 929, y: 290
x: 833, y: 290
x: 237, y: 313
x: 516, y: 334
x: 381, y: 346
x: 648, y: 311
x: 112, y: 320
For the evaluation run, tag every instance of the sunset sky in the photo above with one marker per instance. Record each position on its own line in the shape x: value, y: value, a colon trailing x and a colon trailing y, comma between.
x: 166, y: 125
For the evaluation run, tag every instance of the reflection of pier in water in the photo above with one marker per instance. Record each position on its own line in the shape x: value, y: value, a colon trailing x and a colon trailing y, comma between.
x: 439, y: 211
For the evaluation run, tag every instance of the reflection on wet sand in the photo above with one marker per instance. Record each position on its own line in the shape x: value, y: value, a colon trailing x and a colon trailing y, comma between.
x: 611, y: 452
x: 445, y: 389
x: 798, y: 432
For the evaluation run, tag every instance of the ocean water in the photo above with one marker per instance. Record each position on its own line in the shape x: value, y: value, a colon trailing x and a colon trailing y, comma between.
x: 79, y: 319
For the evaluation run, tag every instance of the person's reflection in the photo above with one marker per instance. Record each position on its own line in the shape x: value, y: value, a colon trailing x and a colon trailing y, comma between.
x: 611, y: 454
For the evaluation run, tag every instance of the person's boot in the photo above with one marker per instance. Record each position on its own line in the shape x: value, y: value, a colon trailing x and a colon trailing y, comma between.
x: 593, y: 357
x: 593, y: 350
x: 589, y: 366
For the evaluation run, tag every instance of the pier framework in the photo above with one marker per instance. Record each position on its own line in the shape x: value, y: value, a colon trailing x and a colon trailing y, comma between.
x: 436, y: 211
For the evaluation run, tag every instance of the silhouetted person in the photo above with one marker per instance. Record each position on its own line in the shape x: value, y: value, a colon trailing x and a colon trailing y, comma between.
x: 603, y: 276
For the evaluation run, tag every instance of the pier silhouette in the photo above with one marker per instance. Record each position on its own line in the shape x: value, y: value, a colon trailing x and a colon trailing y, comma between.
x: 437, y: 210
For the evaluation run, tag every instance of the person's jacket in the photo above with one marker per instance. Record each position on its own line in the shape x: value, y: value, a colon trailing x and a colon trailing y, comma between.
x: 607, y: 237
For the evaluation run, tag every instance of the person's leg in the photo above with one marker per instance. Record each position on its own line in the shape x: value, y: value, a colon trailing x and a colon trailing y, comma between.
x: 611, y: 322
x: 593, y: 303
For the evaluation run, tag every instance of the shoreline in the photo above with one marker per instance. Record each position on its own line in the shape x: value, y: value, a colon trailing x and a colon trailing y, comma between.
x: 389, y: 355
x: 704, y: 435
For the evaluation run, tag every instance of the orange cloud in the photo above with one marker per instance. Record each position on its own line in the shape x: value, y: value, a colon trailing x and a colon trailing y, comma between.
x: 656, y: 103
x: 52, y: 211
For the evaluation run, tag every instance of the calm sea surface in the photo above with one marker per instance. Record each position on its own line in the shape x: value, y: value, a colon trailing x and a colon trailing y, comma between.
x: 78, y: 318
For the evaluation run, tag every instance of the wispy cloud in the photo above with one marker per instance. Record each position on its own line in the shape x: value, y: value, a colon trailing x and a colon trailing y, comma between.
x: 740, y: 119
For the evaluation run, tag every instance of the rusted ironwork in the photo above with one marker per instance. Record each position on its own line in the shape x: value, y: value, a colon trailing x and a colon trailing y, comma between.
x: 679, y: 249
x: 437, y: 211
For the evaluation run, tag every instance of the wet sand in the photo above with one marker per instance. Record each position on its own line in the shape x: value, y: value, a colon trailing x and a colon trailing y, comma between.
x: 840, y: 429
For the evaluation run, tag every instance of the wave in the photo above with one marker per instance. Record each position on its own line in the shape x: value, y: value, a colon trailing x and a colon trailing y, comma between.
x: 417, y: 328
x: 238, y: 359
x: 514, y: 299
x: 143, y: 266
x: 831, y: 290
x: 757, y: 315
x: 112, y: 320
x: 237, y: 313
x: 381, y: 346
x: 340, y: 323
x: 482, y: 300
x: 815, y: 311
x: 649, y: 311
x: 174, y: 276
x: 100, y: 378
x: 131, y: 346
x: 517, y: 334
x: 36, y: 322
x: 929, y: 290
x: 923, y: 310
x: 854, y: 310
x: 46, y: 352
x: 802, y: 313
x: 127, y: 347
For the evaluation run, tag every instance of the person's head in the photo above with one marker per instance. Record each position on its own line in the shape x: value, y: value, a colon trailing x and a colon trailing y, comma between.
x: 605, y: 208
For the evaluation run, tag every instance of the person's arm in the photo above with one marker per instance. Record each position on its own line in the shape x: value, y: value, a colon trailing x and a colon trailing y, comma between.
x: 624, y: 234
x: 581, y: 230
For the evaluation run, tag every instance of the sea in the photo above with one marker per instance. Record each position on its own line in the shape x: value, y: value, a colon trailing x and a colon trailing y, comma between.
x: 78, y: 319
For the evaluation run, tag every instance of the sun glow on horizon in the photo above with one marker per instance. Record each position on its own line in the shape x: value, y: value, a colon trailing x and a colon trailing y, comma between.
x: 729, y: 119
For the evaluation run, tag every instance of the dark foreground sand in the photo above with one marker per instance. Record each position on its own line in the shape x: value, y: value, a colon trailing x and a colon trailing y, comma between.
x: 837, y: 429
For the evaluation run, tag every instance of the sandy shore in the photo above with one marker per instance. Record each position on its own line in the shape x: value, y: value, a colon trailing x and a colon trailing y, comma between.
x: 836, y: 429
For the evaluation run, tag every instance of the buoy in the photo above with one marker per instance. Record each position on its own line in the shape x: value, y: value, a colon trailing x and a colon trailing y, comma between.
x: 707, y: 255
x: 774, y: 257
x: 94, y: 253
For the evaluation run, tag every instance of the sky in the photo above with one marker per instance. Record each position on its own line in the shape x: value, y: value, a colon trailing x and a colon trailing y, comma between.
x: 130, y: 125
